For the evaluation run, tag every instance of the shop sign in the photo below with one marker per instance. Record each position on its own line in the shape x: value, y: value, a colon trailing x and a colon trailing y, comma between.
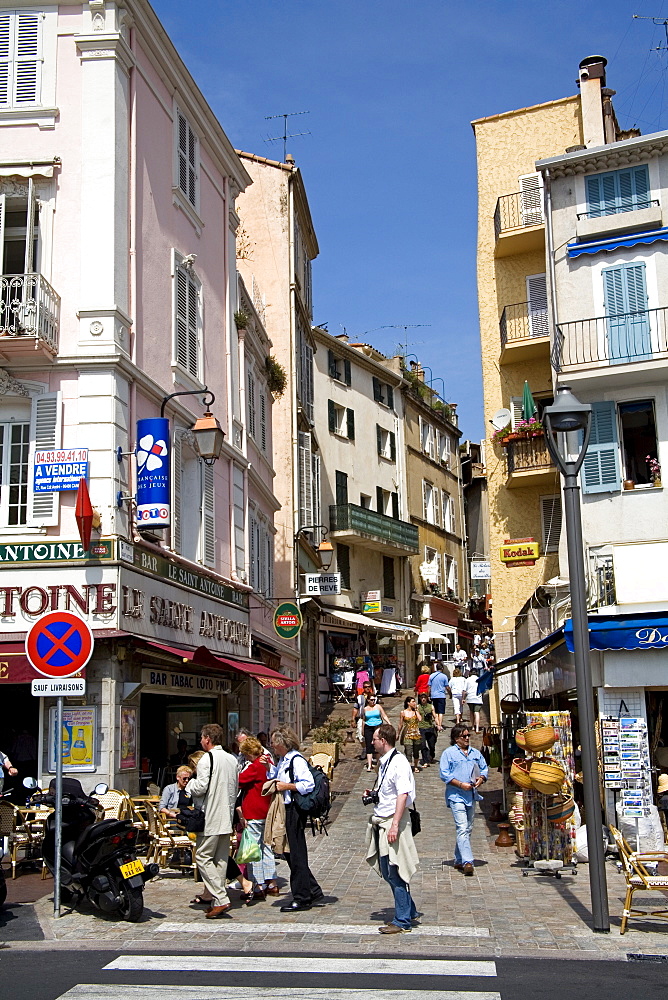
x: 69, y: 688
x: 56, y: 471
x: 151, y: 562
x: 372, y: 595
x: 519, y: 552
x: 481, y: 569
x: 36, y: 591
x: 371, y: 608
x: 77, y: 738
x: 12, y: 553
x: 429, y: 571
x: 287, y: 620
x: 152, y: 493
x: 322, y: 583
x: 161, y: 681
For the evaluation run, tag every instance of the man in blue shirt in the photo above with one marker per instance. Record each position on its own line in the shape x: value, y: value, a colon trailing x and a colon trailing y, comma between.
x: 438, y: 684
x: 463, y: 769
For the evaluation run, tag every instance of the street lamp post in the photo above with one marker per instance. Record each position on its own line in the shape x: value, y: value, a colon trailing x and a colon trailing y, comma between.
x: 563, y: 421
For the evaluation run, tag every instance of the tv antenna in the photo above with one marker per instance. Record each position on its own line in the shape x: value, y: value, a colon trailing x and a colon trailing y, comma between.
x: 286, y: 135
x: 658, y: 21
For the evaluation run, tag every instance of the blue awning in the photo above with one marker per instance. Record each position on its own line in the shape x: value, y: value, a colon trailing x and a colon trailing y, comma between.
x: 642, y: 631
x: 629, y: 240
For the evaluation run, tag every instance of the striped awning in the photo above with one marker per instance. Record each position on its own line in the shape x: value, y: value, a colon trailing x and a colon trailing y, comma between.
x: 629, y: 240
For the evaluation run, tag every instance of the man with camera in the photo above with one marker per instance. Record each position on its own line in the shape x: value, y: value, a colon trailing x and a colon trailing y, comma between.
x: 389, y: 839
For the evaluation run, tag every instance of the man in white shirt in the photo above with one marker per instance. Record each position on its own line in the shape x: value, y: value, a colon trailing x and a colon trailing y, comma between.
x: 293, y: 775
x: 390, y: 845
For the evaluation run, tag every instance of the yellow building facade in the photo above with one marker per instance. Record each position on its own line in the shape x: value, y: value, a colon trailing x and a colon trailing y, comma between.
x: 523, y: 483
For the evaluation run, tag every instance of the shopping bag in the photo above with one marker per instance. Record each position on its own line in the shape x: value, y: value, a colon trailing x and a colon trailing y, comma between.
x: 249, y: 849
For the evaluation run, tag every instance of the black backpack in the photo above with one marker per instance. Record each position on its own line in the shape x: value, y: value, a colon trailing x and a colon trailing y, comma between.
x: 316, y: 803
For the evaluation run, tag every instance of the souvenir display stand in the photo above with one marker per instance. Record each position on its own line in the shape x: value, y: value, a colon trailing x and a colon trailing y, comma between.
x: 548, y: 828
x: 627, y: 776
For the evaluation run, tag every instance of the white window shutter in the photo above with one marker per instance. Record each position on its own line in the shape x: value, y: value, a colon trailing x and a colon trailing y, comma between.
x: 315, y: 466
x: 208, y: 515
x: 263, y: 421
x: 453, y: 517
x: 239, y: 521
x: 6, y: 24
x: 436, y: 505
x: 515, y: 410
x: 176, y: 491
x: 536, y: 285
x: 455, y: 577
x: 550, y: 517
x: 187, y: 145
x: 251, y: 405
x: 3, y: 199
x: 305, y: 480
x: 253, y: 552
x: 425, y: 499
x: 45, y: 434
x: 187, y: 321
x: 531, y: 199
x: 28, y: 65
x: 28, y: 260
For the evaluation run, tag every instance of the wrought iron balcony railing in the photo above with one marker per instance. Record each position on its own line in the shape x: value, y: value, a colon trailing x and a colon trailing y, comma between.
x: 30, y: 308
x: 350, y: 517
x: 528, y: 455
x: 523, y: 208
x: 612, y: 340
x: 522, y: 321
x: 602, y: 211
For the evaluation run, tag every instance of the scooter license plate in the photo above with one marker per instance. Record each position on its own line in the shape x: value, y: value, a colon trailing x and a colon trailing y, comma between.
x: 131, y: 868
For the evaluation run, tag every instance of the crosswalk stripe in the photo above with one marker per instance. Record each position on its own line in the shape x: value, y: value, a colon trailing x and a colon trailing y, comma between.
x: 283, y: 963
x: 233, y: 927
x: 91, y: 991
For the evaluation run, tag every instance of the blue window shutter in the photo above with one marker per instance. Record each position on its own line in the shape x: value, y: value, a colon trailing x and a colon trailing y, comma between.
x: 641, y: 185
x: 594, y: 196
x: 600, y: 470
x: 627, y: 322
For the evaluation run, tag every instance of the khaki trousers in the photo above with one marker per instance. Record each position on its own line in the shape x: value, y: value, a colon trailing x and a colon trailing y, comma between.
x: 211, y: 854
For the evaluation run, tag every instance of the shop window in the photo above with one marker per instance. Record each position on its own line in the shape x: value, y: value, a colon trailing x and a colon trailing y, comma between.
x: 341, y: 420
x: 388, y: 577
x: 339, y: 368
x: 638, y: 433
x: 343, y: 563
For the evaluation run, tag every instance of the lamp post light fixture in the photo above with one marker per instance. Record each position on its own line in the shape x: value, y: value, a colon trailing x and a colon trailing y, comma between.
x: 325, y: 549
x: 208, y: 433
x: 564, y: 421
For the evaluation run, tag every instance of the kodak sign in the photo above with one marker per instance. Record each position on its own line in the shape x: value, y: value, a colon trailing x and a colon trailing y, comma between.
x: 519, y: 552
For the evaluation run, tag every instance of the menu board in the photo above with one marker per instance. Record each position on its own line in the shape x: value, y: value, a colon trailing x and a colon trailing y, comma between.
x: 626, y: 765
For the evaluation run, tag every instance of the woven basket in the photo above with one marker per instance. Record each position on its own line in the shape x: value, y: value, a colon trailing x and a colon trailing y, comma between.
x: 561, y: 808
x: 519, y: 772
x: 539, y: 737
x: 510, y: 704
x: 520, y: 737
x: 547, y: 776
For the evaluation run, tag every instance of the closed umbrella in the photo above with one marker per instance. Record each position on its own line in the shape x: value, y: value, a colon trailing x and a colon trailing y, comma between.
x: 528, y: 405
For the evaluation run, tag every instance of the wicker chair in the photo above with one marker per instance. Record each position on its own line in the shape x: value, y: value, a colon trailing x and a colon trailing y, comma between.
x: 324, y: 762
x: 20, y: 836
x: 164, y: 840
x: 637, y: 877
x: 116, y: 804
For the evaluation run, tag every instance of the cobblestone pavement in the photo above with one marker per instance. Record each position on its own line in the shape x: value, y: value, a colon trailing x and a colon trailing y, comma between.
x: 495, y: 912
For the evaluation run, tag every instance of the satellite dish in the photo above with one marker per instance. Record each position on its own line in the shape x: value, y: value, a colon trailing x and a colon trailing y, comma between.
x: 501, y: 419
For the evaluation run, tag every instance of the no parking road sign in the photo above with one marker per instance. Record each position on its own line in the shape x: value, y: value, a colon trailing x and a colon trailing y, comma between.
x: 59, y: 644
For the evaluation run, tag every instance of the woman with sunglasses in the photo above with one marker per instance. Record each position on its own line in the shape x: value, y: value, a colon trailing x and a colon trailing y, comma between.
x: 374, y: 716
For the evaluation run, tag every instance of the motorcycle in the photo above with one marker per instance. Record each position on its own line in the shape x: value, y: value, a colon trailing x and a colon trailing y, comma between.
x: 98, y: 857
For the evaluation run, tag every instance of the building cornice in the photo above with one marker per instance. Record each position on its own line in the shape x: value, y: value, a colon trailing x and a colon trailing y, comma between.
x: 345, y: 350
x: 616, y: 154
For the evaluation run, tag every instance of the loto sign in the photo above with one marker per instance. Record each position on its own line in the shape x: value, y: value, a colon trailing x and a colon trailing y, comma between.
x: 519, y: 552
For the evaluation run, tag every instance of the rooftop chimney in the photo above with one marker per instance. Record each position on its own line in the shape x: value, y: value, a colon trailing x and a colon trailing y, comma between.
x: 591, y: 81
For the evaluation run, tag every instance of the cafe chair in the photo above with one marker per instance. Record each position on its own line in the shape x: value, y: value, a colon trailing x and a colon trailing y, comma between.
x: 324, y: 762
x: 637, y: 877
x: 116, y: 804
x: 19, y: 835
x: 153, y: 789
x: 164, y: 840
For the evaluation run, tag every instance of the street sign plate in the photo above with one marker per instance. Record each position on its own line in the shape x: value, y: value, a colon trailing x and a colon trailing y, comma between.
x: 287, y: 620
x: 59, y: 644
x: 67, y: 688
x: 322, y: 583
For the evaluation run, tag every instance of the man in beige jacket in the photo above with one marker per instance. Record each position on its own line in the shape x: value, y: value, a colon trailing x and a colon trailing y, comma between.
x: 215, y: 791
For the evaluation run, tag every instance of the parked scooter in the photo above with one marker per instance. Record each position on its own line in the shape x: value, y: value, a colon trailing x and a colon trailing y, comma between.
x: 98, y: 858
x: 3, y: 883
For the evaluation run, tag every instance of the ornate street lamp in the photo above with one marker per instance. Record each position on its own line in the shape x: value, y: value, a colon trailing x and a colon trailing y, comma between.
x: 325, y: 549
x: 567, y: 424
x: 208, y: 433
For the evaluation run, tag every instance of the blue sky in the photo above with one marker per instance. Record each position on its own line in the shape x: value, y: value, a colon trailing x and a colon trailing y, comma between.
x: 389, y: 165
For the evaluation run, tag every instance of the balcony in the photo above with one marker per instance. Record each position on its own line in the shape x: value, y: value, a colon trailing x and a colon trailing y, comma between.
x: 29, y: 316
x: 367, y: 528
x: 624, y: 218
x: 519, y: 225
x: 525, y: 333
x: 528, y: 462
x: 589, y: 345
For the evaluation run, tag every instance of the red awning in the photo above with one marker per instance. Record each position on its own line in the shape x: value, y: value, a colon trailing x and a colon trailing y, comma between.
x: 204, y: 657
x: 16, y: 668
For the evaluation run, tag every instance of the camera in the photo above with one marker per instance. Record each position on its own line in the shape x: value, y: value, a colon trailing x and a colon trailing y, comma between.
x: 370, y: 799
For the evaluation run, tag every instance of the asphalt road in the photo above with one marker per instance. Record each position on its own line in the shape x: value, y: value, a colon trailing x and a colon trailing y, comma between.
x: 70, y: 975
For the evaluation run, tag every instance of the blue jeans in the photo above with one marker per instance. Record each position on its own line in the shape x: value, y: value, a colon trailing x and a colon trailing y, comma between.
x: 463, y: 817
x: 404, y: 907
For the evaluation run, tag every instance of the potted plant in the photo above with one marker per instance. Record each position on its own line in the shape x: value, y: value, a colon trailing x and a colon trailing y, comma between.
x: 329, y: 737
x: 654, y: 470
x: 276, y: 377
x: 241, y: 319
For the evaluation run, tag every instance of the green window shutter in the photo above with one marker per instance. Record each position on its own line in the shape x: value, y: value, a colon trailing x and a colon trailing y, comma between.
x: 347, y: 378
x: 395, y: 506
x: 343, y: 563
x: 379, y: 439
x: 380, y: 504
x: 350, y: 421
x: 331, y: 414
x: 331, y: 364
x: 341, y: 488
x: 388, y: 577
x: 377, y: 392
x: 390, y: 396
x: 393, y: 447
x: 600, y: 470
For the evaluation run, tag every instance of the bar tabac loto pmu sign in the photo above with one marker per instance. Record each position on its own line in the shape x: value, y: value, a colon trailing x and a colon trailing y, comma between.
x: 519, y: 552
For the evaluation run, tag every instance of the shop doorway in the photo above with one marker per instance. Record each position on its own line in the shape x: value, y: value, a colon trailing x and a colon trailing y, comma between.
x: 19, y: 731
x: 166, y: 724
x: 657, y: 725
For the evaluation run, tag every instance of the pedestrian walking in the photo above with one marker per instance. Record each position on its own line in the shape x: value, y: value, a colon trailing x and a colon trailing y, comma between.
x: 438, y: 686
x: 214, y: 789
x: 409, y: 730
x: 390, y: 846
x: 422, y: 680
x: 474, y: 702
x: 374, y: 716
x: 457, y: 686
x: 460, y: 657
x: 358, y: 710
x: 427, y: 729
x: 254, y: 808
x: 293, y: 775
x: 463, y: 769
